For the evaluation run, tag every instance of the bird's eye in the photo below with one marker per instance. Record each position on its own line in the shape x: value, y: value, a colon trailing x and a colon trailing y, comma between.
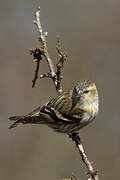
x: 85, y: 92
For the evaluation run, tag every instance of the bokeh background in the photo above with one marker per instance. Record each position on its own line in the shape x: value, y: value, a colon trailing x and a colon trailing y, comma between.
x: 90, y: 33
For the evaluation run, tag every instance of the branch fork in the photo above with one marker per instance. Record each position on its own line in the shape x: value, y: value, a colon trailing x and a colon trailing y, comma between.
x: 41, y: 52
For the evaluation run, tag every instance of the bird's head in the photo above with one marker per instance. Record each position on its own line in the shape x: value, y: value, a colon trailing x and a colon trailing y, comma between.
x: 85, y: 95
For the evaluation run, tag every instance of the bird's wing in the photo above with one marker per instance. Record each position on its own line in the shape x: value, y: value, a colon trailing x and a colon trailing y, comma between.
x: 55, y: 107
x: 64, y: 109
x: 76, y: 113
x: 63, y: 103
x: 36, y: 112
x: 61, y: 107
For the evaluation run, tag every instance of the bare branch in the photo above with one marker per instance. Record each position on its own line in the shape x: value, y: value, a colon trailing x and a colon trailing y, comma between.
x: 92, y: 175
x: 37, y: 58
x: 42, y: 38
x: 43, y: 51
x: 46, y: 75
x: 60, y: 65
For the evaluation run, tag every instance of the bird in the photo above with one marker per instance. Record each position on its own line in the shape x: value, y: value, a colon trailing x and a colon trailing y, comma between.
x: 68, y: 112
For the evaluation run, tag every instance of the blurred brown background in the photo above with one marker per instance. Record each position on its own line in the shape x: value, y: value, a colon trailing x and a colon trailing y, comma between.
x: 90, y: 33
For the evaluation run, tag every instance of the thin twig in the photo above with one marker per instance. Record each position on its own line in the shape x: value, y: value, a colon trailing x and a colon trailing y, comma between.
x: 43, y: 51
x: 42, y: 38
x: 36, y: 73
x: 45, y: 75
x: 92, y: 175
x: 37, y: 58
x: 60, y: 65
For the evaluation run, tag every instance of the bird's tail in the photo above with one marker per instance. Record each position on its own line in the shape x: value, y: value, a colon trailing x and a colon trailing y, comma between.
x: 20, y: 120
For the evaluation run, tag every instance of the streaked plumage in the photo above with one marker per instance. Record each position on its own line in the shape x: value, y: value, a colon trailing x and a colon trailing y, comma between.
x: 66, y: 113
